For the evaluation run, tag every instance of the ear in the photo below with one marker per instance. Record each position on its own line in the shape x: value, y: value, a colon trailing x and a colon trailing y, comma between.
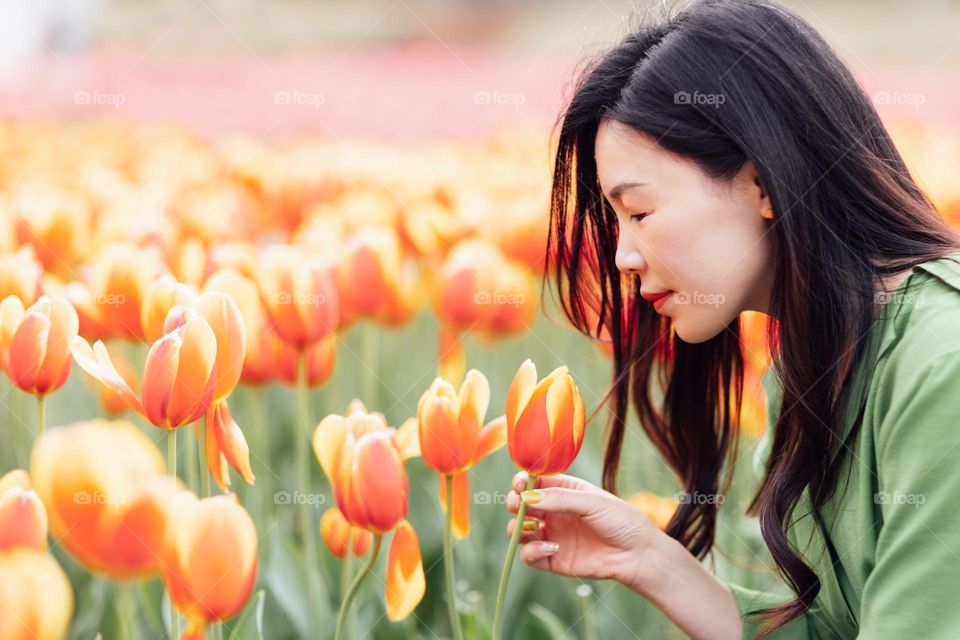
x: 752, y: 177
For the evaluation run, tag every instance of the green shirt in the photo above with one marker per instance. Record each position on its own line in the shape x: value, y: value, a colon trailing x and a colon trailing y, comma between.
x: 887, y: 547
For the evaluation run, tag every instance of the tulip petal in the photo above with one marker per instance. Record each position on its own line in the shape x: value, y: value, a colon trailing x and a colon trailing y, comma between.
x: 231, y: 442
x: 327, y: 441
x: 407, y: 439
x: 64, y: 325
x: 11, y: 315
x: 96, y: 361
x: 193, y: 389
x: 460, y: 524
x: 492, y: 437
x: 223, y: 315
x: 406, y: 583
x: 521, y: 388
x: 216, y: 463
x: 28, y: 349
x: 159, y: 374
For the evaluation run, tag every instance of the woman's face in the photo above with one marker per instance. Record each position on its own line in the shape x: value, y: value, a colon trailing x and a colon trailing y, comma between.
x: 682, y: 231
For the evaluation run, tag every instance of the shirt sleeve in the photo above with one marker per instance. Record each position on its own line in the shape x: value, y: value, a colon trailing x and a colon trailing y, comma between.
x: 750, y: 601
x: 913, y: 589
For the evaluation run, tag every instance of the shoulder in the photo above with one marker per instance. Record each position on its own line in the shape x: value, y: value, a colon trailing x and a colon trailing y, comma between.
x: 917, y: 377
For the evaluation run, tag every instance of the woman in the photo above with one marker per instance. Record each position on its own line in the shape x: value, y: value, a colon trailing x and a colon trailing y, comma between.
x: 725, y: 160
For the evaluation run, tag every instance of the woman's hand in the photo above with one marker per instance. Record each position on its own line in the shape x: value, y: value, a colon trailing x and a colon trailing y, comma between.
x: 584, y: 531
x: 578, y: 529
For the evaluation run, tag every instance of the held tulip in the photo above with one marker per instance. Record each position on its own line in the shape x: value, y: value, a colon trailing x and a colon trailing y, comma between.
x: 545, y: 420
x: 545, y: 425
x: 23, y: 520
x: 36, y: 601
x: 210, y: 559
x: 105, y: 493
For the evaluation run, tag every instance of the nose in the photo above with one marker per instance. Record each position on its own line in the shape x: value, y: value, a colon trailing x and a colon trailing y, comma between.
x: 629, y: 260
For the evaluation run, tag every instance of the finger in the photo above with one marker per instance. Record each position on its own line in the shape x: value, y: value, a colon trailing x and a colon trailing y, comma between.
x: 519, y: 482
x: 560, y: 500
x: 513, y: 506
x: 530, y: 526
x: 537, y: 554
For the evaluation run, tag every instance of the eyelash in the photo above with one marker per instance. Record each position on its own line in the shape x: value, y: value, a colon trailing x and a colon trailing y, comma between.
x: 637, y: 217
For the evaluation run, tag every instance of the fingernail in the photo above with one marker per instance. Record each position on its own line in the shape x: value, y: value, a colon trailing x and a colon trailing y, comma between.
x: 530, y: 497
x: 550, y: 547
x: 530, y: 525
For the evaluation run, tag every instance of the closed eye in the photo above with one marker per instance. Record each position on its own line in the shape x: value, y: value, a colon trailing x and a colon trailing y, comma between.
x: 637, y: 217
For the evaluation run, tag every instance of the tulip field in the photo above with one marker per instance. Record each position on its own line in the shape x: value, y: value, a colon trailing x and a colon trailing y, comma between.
x: 268, y: 390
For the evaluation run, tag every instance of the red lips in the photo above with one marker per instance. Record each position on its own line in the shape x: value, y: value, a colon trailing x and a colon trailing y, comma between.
x: 653, y: 297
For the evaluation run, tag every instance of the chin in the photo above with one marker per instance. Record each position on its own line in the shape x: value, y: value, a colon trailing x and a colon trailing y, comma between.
x: 695, y: 332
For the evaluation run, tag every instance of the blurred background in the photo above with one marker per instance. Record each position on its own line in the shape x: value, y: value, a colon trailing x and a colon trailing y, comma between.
x: 188, y: 125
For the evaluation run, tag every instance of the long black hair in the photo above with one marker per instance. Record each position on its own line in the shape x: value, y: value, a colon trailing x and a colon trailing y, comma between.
x: 848, y: 214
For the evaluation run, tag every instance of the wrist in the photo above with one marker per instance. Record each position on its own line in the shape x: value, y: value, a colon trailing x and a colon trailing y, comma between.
x: 649, y: 568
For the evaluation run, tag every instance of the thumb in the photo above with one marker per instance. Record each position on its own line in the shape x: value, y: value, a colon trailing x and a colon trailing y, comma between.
x: 561, y: 499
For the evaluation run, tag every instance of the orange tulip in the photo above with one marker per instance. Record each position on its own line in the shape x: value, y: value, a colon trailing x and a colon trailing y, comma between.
x: 545, y: 420
x: 105, y: 492
x: 210, y: 558
x: 321, y: 358
x: 120, y: 276
x: 364, y: 459
x: 20, y: 275
x: 159, y: 297
x: 223, y: 438
x: 370, y: 278
x: 300, y: 297
x: 659, y: 509
x: 23, y: 521
x: 178, y: 378
x: 36, y: 601
x: 35, y: 343
x: 336, y: 532
x: 453, y: 438
x: 478, y: 288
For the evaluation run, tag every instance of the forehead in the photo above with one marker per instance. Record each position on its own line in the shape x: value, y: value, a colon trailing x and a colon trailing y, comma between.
x: 623, y: 154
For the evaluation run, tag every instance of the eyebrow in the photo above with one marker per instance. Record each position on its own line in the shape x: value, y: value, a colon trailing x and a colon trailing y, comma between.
x: 620, y: 188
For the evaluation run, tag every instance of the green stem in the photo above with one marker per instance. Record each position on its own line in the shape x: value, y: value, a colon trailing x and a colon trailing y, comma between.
x: 189, y: 453
x: 256, y: 397
x: 584, y: 593
x: 352, y: 591
x: 172, y: 472
x: 307, y: 531
x: 346, y: 572
x: 202, y: 454
x: 125, y: 603
x: 41, y: 414
x: 448, y: 562
x: 508, y: 562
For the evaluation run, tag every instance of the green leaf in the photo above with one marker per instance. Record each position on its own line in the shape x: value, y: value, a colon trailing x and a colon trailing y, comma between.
x: 254, y: 605
x: 550, y: 622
